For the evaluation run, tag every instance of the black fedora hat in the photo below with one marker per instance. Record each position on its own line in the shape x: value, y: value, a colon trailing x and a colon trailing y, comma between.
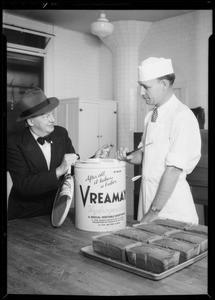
x: 34, y: 103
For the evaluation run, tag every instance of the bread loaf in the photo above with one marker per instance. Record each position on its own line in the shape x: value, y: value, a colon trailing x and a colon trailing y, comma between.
x: 156, y: 246
x: 152, y: 258
x: 198, y: 229
x: 111, y: 245
x: 191, y: 238
x: 156, y: 229
x: 135, y: 234
x: 187, y: 250
x: 170, y: 223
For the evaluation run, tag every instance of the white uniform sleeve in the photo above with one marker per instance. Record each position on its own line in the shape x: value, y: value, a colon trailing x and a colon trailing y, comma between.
x: 185, y: 141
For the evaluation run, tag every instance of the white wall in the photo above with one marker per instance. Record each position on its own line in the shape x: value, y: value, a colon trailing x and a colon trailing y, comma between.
x: 82, y: 66
x: 106, y: 79
x: 76, y: 65
x: 184, y: 39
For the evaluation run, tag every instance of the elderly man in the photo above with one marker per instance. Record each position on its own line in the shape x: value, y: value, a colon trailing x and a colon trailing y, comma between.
x: 38, y: 158
x: 171, y: 147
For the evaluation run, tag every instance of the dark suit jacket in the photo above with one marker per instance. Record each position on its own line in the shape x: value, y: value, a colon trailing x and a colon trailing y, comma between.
x: 34, y: 186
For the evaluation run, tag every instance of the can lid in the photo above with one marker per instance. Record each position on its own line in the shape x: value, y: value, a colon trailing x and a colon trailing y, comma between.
x: 63, y: 201
x: 99, y: 163
x: 91, y: 160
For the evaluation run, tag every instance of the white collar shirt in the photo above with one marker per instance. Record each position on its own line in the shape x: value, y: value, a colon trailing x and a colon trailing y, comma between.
x: 46, y: 149
x: 182, y: 132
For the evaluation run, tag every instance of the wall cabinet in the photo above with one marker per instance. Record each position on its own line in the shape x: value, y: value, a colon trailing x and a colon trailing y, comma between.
x: 91, y: 124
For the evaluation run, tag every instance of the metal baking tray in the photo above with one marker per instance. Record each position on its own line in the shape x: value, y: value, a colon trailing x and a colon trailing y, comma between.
x: 88, y: 252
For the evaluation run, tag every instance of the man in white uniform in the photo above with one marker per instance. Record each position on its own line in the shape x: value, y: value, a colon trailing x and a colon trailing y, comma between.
x: 171, y: 147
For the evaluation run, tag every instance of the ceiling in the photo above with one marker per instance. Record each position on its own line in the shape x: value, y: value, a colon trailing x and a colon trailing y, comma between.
x: 80, y: 20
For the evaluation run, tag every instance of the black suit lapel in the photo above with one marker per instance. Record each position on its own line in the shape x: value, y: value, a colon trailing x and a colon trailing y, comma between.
x: 56, y: 150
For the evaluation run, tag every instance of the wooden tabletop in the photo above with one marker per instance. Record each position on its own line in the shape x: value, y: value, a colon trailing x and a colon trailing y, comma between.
x: 47, y: 260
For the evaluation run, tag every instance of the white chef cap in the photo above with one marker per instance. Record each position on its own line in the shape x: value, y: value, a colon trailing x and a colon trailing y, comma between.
x: 154, y: 67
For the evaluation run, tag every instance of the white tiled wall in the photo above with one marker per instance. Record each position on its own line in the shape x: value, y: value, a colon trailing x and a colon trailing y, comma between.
x: 106, y: 78
x: 76, y: 65
x: 184, y: 39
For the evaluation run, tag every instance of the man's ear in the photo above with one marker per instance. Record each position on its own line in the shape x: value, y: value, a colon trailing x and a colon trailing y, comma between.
x: 165, y: 83
x: 29, y: 122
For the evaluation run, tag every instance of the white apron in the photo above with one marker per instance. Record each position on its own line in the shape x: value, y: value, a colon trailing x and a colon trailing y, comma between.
x: 180, y: 205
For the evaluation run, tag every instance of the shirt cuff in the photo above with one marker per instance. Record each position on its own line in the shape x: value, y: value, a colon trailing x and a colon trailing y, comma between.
x: 176, y: 160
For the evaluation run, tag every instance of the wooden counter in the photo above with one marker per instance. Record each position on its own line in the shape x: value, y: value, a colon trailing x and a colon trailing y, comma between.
x: 46, y: 260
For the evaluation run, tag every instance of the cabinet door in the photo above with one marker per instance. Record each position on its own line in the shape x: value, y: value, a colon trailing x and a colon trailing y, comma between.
x: 107, y: 125
x: 67, y: 117
x: 88, y: 129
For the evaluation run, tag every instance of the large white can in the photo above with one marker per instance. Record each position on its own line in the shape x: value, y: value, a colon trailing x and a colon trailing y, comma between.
x: 100, y: 195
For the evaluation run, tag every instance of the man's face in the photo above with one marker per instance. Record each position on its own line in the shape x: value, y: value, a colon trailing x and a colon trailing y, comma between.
x: 152, y: 91
x: 43, y: 124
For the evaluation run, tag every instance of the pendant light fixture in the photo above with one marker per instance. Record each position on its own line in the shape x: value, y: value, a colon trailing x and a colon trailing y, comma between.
x: 102, y: 27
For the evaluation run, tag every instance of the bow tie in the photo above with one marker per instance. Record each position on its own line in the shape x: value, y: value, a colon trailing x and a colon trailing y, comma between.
x: 41, y: 140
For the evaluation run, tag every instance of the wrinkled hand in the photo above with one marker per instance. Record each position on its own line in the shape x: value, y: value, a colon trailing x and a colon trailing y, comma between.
x: 69, y: 160
x: 104, y: 151
x: 121, y: 154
